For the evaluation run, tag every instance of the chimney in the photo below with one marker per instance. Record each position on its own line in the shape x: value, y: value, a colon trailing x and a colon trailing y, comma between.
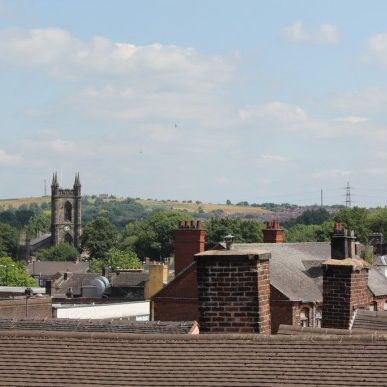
x: 233, y: 291
x: 345, y: 281
x: 273, y: 233
x: 158, y: 277
x: 189, y: 240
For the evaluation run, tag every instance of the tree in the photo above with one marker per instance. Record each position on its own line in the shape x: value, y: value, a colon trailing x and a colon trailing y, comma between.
x: 14, y: 273
x: 244, y: 231
x: 99, y: 237
x: 39, y: 223
x: 356, y: 219
x: 309, y: 233
x: 116, y: 259
x: 61, y: 252
x: 154, y: 236
x: 318, y: 216
x: 9, y: 240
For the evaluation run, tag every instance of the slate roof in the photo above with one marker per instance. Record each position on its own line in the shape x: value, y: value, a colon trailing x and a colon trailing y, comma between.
x: 128, y: 279
x: 371, y: 320
x: 377, y: 282
x: 42, y: 238
x: 105, y: 325
x: 48, y: 268
x: 295, y: 268
x: 74, y: 281
x: 296, y: 271
x: 31, y: 358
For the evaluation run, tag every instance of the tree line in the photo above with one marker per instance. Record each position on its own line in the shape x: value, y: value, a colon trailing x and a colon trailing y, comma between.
x: 121, y: 233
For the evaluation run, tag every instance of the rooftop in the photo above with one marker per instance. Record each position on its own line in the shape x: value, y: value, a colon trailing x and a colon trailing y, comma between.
x: 107, y: 325
x: 36, y: 358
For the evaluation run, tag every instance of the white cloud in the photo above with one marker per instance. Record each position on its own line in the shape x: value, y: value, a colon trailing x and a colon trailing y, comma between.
x: 325, y: 34
x: 331, y: 173
x: 273, y: 157
x: 50, y: 141
x: 9, y: 159
x: 352, y: 119
x: 70, y: 58
x: 274, y: 111
x: 35, y: 47
x: 377, y: 49
x: 297, y: 33
x: 329, y: 34
x: 365, y: 101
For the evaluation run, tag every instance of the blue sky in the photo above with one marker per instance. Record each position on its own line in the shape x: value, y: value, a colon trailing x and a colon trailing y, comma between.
x: 201, y: 100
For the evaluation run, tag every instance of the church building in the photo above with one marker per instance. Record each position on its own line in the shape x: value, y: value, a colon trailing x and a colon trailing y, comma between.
x: 66, y: 218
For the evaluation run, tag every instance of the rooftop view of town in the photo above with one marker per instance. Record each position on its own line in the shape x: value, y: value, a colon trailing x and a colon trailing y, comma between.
x: 192, y: 193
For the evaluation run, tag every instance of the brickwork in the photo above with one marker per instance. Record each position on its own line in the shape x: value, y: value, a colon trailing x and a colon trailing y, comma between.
x: 178, y: 301
x: 344, y: 289
x: 273, y: 233
x: 175, y: 310
x: 233, y: 293
x: 189, y: 240
x: 32, y: 307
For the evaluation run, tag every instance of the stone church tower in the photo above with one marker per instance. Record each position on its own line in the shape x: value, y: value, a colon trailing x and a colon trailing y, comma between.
x: 66, y: 224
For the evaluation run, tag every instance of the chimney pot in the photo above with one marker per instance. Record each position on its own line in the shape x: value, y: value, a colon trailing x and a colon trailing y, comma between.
x: 229, y: 241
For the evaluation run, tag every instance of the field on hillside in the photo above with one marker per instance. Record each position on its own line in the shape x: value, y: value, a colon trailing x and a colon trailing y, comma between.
x: 16, y: 203
x: 228, y: 210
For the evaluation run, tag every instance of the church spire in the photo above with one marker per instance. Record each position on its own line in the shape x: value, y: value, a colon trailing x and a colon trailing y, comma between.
x: 77, y: 181
x: 54, y: 180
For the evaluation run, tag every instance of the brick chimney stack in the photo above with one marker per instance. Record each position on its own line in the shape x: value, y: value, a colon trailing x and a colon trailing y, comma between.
x: 345, y: 281
x: 190, y: 239
x: 273, y: 233
x: 234, y: 290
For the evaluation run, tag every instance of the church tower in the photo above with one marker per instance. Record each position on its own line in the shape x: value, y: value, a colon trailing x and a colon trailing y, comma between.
x: 66, y: 224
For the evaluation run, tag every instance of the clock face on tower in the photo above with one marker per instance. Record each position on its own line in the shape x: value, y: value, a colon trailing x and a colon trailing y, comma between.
x: 67, y: 228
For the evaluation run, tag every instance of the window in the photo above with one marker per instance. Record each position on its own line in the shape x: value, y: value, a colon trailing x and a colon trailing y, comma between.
x: 68, y: 211
x: 318, y: 317
x: 68, y: 239
x: 304, y: 317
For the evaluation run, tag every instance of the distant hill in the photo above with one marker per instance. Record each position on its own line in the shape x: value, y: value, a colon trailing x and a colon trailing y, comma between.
x: 195, y: 207
x: 16, y: 203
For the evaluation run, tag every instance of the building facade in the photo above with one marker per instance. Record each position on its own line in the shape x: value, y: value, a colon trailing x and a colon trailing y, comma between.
x: 66, y: 211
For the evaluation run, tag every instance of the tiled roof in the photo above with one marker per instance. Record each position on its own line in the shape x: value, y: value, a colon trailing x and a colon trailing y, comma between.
x: 297, y: 330
x: 30, y: 358
x: 111, y: 325
x: 371, y: 320
x: 46, y: 268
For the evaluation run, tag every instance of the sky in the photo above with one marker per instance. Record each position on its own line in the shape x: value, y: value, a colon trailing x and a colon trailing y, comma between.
x: 258, y: 101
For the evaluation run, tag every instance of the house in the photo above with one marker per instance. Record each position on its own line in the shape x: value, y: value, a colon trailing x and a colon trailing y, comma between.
x: 296, y: 277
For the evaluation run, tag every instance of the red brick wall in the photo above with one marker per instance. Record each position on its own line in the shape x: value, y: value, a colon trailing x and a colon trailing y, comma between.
x: 343, y: 290
x: 34, y: 308
x: 188, y: 242
x: 178, y: 301
x: 233, y: 293
x: 281, y: 310
x: 175, y: 310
